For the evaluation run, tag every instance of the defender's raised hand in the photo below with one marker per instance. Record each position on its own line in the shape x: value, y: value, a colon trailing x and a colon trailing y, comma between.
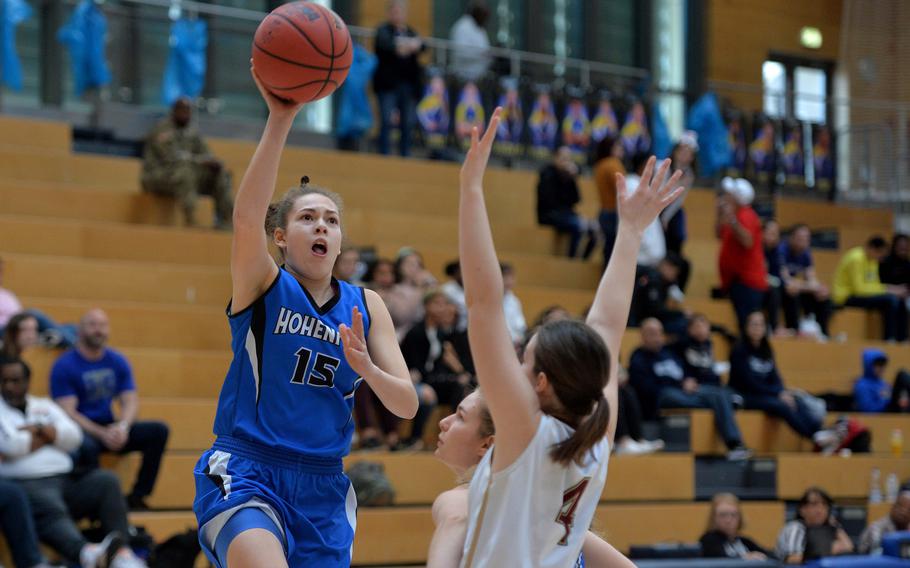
x: 475, y: 163
x: 655, y: 192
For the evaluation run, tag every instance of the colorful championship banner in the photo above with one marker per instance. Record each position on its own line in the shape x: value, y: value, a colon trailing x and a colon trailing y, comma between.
x: 736, y: 138
x: 635, y: 137
x: 508, y: 136
x: 433, y: 113
x: 761, y: 153
x: 542, y: 125
x: 792, y: 156
x: 576, y: 130
x: 468, y: 114
x: 823, y: 159
x: 604, y: 122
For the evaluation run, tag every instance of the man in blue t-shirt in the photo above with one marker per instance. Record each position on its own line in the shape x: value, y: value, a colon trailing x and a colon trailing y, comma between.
x: 85, y: 381
x: 803, y: 293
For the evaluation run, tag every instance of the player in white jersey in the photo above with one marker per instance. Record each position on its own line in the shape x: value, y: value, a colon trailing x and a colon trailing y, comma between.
x: 535, y: 491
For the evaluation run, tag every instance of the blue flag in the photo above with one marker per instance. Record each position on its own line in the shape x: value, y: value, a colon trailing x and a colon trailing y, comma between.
x: 661, y: 143
x: 184, y: 75
x: 84, y: 34
x: 355, y: 117
x: 714, y: 144
x: 12, y: 13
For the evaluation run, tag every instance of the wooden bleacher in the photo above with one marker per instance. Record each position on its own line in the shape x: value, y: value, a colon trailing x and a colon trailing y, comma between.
x: 76, y: 232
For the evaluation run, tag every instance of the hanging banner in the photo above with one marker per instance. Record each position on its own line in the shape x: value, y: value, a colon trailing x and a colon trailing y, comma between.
x: 542, y: 125
x: 635, y: 137
x: 604, y: 122
x: 468, y: 114
x: 184, y: 74
x: 508, y: 136
x: 792, y: 156
x: 12, y: 13
x: 355, y: 117
x: 761, y: 153
x: 736, y: 139
x: 433, y: 113
x: 576, y: 130
x: 707, y: 122
x: 823, y: 159
x: 84, y: 35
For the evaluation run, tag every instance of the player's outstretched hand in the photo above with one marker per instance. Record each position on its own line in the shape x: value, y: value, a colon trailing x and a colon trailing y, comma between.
x: 653, y: 195
x: 277, y: 105
x: 475, y: 163
x: 355, y: 345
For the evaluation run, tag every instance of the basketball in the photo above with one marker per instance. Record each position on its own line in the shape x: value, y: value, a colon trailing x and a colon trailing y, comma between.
x: 302, y: 51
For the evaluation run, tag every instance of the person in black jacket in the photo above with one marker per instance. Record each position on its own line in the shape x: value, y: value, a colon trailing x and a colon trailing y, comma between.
x: 895, y: 268
x: 397, y: 80
x: 723, y: 538
x: 557, y: 195
x: 754, y: 375
x: 697, y: 351
x: 657, y: 374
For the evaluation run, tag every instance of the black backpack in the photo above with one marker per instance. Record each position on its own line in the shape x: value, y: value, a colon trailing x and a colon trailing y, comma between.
x: 179, y: 551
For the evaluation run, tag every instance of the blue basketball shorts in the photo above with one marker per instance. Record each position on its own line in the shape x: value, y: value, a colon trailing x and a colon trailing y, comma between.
x: 306, y: 501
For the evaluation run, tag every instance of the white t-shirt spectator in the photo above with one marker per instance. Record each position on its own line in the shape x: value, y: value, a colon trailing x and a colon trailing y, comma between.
x: 515, y: 317
x: 653, y: 242
x: 19, y: 462
x: 470, y: 55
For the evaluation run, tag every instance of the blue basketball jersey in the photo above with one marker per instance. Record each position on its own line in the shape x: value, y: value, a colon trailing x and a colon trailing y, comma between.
x: 289, y: 386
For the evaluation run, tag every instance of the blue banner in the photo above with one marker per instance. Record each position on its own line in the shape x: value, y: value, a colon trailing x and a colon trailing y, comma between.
x: 635, y: 136
x: 542, y: 125
x: 508, y: 135
x: 576, y: 130
x: 84, y: 35
x: 355, y: 116
x: 184, y: 75
x: 433, y: 112
x: 736, y: 138
x: 12, y: 13
x: 713, y: 139
x: 468, y: 114
x: 661, y: 144
x: 604, y: 123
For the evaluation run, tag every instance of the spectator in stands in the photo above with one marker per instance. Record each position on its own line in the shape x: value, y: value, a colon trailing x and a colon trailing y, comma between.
x: 20, y: 334
x: 377, y: 427
x: 511, y: 305
x: 630, y: 439
x: 177, y: 162
x: 18, y: 527
x: 657, y: 295
x: 438, y: 355
x: 85, y: 381
x: 52, y: 333
x: 471, y: 45
x: 723, y: 539
x: 659, y: 379
x: 453, y: 288
x: 355, y: 114
x: 557, y: 195
x: 898, y: 519
x: 37, y: 440
x: 653, y: 242
x: 741, y: 262
x: 871, y: 393
x: 815, y: 533
x: 857, y: 283
x: 696, y: 350
x: 347, y: 265
x: 673, y: 218
x: 771, y: 245
x: 403, y: 302
x: 397, y: 77
x: 754, y: 375
x: 895, y: 268
x: 608, y: 163
x: 802, y: 292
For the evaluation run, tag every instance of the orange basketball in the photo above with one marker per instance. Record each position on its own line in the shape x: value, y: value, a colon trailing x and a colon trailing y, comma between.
x: 302, y: 51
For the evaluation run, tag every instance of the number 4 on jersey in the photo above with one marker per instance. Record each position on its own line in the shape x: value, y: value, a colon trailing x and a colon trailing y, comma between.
x: 321, y: 375
x: 570, y: 499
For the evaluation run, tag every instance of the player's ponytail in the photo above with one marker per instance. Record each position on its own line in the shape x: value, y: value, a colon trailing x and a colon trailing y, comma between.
x: 276, y: 217
x: 576, y: 363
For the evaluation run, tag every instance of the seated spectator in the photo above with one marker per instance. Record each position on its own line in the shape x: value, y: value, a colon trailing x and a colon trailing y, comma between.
x: 347, y: 266
x: 557, y: 196
x: 898, y: 519
x: 37, y: 440
x: 754, y: 375
x: 85, y: 381
x: 629, y: 437
x: 656, y: 373
x: 723, y: 539
x: 683, y: 157
x: 741, y: 262
x: 438, y: 356
x: 895, y: 268
x: 607, y: 163
x: 453, y: 288
x: 21, y: 333
x: 815, y: 533
x: 18, y: 526
x: 653, y: 247
x: 696, y: 350
x: 856, y: 283
x: 52, y: 334
x: 177, y: 162
x: 656, y: 295
x: 409, y: 270
x: 871, y: 393
x: 403, y: 302
x: 802, y: 292
x: 376, y: 425
x: 771, y: 245
x: 511, y: 305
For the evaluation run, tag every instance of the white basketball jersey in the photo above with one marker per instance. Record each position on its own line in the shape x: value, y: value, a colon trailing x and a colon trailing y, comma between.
x: 535, y: 512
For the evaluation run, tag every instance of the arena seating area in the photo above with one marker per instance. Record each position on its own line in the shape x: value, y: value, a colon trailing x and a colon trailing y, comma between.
x: 76, y: 233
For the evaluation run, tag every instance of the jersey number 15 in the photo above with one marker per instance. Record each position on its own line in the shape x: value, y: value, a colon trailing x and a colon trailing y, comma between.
x: 322, y: 374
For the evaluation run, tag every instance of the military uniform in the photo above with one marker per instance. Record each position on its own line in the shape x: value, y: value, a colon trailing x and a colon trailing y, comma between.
x: 175, y: 163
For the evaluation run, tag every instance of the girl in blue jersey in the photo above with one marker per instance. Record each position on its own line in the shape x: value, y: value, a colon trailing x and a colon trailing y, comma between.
x: 271, y: 492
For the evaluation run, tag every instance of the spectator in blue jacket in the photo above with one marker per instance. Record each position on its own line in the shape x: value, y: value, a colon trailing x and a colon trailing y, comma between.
x: 872, y: 393
x: 754, y: 375
x: 657, y: 374
x: 355, y: 117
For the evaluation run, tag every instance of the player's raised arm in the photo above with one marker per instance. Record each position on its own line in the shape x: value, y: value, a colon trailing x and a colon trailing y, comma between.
x: 512, y: 401
x: 252, y: 268
x: 610, y: 310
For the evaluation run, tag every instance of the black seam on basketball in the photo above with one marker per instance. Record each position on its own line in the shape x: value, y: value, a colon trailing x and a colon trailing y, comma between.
x: 303, y: 33
x: 297, y: 63
x: 272, y: 88
x: 328, y: 76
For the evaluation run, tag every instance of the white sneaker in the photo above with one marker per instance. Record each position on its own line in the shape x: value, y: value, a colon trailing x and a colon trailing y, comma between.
x: 653, y: 445
x: 126, y: 559
x: 631, y: 447
x: 102, y: 554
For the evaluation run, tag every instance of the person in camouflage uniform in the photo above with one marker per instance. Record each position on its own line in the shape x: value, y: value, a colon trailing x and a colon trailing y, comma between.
x: 177, y: 162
